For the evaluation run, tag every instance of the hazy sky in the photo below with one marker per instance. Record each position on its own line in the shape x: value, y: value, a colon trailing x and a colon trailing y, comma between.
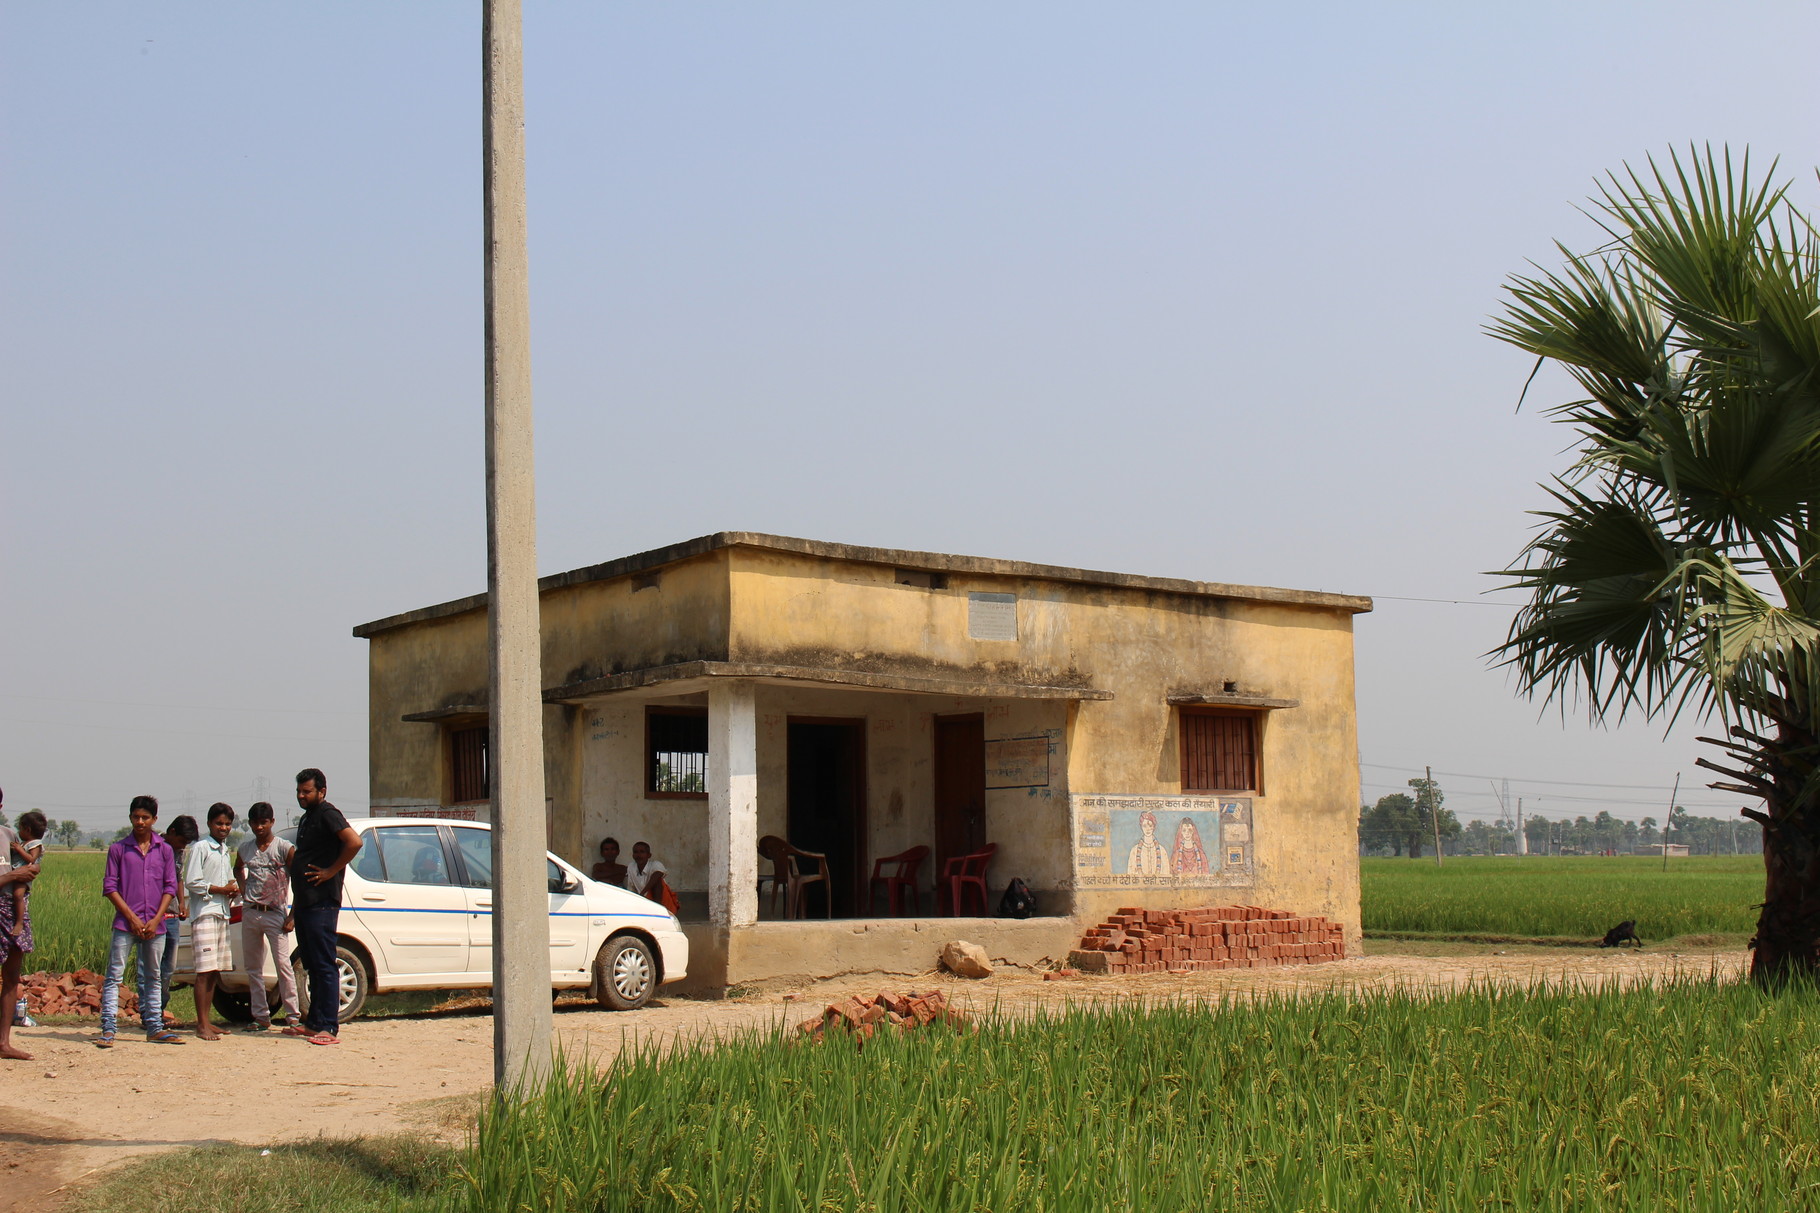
x: 1180, y: 289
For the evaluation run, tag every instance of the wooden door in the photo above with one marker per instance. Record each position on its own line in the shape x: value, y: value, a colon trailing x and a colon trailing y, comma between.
x: 960, y: 786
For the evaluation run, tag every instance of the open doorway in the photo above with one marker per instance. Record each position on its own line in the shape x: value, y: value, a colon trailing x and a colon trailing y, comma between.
x: 826, y: 784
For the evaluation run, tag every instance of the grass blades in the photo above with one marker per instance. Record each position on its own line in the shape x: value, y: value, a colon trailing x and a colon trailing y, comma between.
x: 71, y: 923
x: 1700, y: 1095
x: 1576, y: 896
x: 347, y: 1175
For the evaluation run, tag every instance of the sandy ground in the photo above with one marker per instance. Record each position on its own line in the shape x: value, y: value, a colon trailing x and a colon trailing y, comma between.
x: 75, y: 1109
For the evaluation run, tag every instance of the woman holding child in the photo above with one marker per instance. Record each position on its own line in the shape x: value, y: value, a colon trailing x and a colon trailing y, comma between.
x: 15, y: 925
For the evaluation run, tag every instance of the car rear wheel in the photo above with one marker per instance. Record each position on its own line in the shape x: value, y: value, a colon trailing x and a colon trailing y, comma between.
x: 235, y: 1007
x: 350, y: 976
x: 625, y: 974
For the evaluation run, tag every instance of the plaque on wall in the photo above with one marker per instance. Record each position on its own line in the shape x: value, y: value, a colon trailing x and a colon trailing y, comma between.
x: 1162, y: 842
x: 1017, y: 762
x: 992, y: 616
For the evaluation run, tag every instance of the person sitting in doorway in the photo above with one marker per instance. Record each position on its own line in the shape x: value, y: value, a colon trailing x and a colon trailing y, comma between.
x: 647, y: 878
x: 609, y: 870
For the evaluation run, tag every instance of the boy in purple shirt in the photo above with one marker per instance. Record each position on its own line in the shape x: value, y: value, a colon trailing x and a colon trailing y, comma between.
x: 141, y: 883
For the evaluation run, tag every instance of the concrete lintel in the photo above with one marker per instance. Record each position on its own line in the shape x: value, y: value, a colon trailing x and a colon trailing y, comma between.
x: 453, y: 714
x: 1231, y: 700
x: 653, y: 675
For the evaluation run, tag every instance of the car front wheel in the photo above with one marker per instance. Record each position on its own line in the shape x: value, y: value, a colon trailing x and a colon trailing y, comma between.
x: 625, y: 974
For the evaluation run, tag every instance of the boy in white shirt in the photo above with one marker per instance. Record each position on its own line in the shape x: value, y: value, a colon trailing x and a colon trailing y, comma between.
x: 208, y: 877
x: 263, y: 869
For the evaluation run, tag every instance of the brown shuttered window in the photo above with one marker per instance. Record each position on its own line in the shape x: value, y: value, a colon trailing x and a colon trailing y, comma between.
x: 1219, y: 751
x: 468, y: 764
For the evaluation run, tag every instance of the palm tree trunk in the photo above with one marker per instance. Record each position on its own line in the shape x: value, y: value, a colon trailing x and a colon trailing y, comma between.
x: 1787, y: 943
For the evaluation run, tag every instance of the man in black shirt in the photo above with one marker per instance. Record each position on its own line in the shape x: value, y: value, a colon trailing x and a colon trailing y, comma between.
x: 326, y: 844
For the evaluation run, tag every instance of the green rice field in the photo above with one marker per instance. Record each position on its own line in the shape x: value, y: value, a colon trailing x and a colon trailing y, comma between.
x: 1698, y: 1096
x: 1571, y: 896
x: 71, y: 924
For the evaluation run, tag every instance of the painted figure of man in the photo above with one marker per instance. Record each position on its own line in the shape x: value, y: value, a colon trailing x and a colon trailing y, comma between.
x: 1148, y: 858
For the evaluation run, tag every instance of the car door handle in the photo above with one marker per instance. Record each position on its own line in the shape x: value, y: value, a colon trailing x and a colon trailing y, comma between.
x: 485, y: 905
x: 370, y: 897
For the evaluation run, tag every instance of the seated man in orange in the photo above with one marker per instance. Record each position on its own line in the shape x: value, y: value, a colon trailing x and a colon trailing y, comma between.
x: 646, y: 877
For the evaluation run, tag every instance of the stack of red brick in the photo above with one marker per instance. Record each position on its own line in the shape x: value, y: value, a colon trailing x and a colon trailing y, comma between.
x: 77, y: 993
x: 863, y: 1014
x: 1213, y: 937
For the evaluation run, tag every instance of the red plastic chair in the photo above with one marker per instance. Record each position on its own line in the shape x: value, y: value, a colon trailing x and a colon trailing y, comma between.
x: 965, y: 872
x: 908, y: 864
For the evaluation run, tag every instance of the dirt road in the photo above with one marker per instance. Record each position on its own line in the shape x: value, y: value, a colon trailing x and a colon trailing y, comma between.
x: 76, y: 1109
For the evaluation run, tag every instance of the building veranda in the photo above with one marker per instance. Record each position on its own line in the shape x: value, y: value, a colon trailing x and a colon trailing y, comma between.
x: 1112, y: 740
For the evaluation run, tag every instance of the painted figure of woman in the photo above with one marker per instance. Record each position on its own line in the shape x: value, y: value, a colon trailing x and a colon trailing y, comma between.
x: 1148, y: 858
x: 1190, y: 859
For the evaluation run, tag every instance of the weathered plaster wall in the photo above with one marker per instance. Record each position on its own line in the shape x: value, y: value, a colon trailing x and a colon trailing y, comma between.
x: 1031, y: 825
x: 1143, y: 646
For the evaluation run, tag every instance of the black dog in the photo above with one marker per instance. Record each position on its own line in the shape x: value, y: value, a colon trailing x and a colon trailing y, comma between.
x: 1625, y: 932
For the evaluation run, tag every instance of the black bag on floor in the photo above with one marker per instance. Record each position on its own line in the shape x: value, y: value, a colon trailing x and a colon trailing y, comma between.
x: 1018, y: 901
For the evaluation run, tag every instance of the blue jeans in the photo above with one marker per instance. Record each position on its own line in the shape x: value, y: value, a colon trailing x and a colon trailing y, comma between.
x: 168, y: 958
x: 151, y: 1004
x: 315, y: 926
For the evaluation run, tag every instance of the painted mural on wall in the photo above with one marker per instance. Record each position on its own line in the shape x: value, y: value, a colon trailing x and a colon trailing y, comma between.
x: 1162, y: 841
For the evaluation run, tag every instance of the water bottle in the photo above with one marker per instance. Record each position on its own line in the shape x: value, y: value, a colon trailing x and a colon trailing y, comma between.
x: 22, y: 1018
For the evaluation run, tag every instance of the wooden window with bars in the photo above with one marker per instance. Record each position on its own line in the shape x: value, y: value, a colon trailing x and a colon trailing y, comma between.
x: 469, y: 774
x: 1219, y: 751
x: 676, y: 752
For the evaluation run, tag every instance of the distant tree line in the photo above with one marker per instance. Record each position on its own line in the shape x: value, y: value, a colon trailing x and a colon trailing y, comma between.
x: 1404, y: 824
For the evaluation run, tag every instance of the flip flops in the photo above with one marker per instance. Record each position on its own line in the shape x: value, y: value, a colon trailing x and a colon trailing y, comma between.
x: 104, y: 1041
x: 296, y: 1029
x: 323, y: 1038
x: 166, y: 1037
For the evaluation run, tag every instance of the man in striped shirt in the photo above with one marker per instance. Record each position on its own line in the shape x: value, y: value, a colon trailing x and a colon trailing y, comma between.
x: 208, y: 877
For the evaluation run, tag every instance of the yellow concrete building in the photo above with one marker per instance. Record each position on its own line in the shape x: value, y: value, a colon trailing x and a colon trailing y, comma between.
x: 1120, y: 740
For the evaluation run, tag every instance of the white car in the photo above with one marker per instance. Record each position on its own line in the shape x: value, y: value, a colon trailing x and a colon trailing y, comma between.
x: 417, y: 914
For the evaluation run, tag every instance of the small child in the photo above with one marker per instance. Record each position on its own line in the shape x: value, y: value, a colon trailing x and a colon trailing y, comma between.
x: 25, y: 846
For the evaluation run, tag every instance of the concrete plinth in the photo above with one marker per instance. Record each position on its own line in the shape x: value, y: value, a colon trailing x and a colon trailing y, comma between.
x: 774, y: 954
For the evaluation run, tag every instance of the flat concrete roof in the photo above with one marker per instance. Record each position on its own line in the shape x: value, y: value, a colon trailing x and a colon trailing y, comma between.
x: 932, y: 562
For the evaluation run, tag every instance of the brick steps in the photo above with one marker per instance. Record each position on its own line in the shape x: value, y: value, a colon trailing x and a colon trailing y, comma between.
x: 1205, y: 940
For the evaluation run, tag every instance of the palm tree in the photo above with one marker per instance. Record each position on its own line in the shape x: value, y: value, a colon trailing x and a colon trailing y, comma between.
x: 1678, y: 566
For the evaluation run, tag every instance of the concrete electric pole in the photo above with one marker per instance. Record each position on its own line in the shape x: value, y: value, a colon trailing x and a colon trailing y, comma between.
x: 521, y: 900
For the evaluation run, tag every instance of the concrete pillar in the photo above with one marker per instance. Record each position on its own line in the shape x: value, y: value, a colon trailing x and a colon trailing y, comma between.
x: 732, y: 802
x: 521, y: 900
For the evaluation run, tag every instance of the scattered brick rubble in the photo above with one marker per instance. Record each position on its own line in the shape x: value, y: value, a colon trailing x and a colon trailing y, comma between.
x: 77, y: 993
x: 1200, y: 940
x: 863, y: 1014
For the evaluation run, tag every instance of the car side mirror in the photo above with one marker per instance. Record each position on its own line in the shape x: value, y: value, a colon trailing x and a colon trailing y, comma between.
x: 564, y: 884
